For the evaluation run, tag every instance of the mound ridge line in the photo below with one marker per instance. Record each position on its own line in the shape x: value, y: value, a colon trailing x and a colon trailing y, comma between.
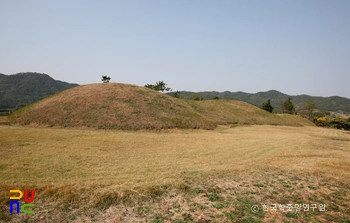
x: 131, y: 107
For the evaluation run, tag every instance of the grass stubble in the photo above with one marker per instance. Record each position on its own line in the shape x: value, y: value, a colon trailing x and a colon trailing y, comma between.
x: 176, y: 175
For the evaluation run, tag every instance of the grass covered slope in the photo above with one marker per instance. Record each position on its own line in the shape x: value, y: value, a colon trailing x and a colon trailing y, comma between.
x: 224, y: 112
x: 296, y: 119
x: 112, y: 106
x: 130, y: 107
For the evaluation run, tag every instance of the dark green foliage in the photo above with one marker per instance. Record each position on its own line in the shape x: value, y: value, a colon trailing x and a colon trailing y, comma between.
x: 21, y: 89
x: 198, y: 98
x: 213, y: 197
x: 105, y: 79
x: 289, y: 106
x: 176, y: 94
x: 158, y: 218
x: 216, y: 98
x: 267, y: 106
x: 338, y: 123
x: 159, y: 86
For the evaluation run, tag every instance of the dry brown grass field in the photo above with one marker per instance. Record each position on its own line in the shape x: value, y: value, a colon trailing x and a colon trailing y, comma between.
x: 177, y: 175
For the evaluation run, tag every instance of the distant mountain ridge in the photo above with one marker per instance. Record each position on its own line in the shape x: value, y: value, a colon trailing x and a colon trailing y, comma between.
x: 334, y: 103
x: 21, y: 89
x: 25, y: 88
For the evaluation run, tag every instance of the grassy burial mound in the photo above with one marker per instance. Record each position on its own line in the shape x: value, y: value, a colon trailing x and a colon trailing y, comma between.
x: 297, y: 119
x: 130, y: 107
x: 224, y: 112
x: 112, y: 106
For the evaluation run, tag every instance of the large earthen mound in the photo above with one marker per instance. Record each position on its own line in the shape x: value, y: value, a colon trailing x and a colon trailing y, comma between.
x: 130, y: 107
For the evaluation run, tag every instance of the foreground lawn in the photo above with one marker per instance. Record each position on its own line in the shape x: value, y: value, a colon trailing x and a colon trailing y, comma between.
x: 177, y: 175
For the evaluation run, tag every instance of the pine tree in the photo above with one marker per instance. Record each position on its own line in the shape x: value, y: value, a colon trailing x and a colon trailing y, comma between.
x: 105, y: 79
x: 159, y: 86
x: 289, y: 106
x: 267, y: 106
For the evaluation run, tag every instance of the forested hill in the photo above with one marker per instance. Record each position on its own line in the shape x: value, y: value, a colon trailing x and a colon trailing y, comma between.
x: 25, y: 88
x: 334, y: 103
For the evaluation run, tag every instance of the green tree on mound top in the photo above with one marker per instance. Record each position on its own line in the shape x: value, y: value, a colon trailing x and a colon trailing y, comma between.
x: 105, y: 79
x: 159, y: 86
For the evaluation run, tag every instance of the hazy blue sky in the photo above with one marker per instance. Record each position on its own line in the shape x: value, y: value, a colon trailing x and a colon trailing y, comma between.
x: 294, y: 46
